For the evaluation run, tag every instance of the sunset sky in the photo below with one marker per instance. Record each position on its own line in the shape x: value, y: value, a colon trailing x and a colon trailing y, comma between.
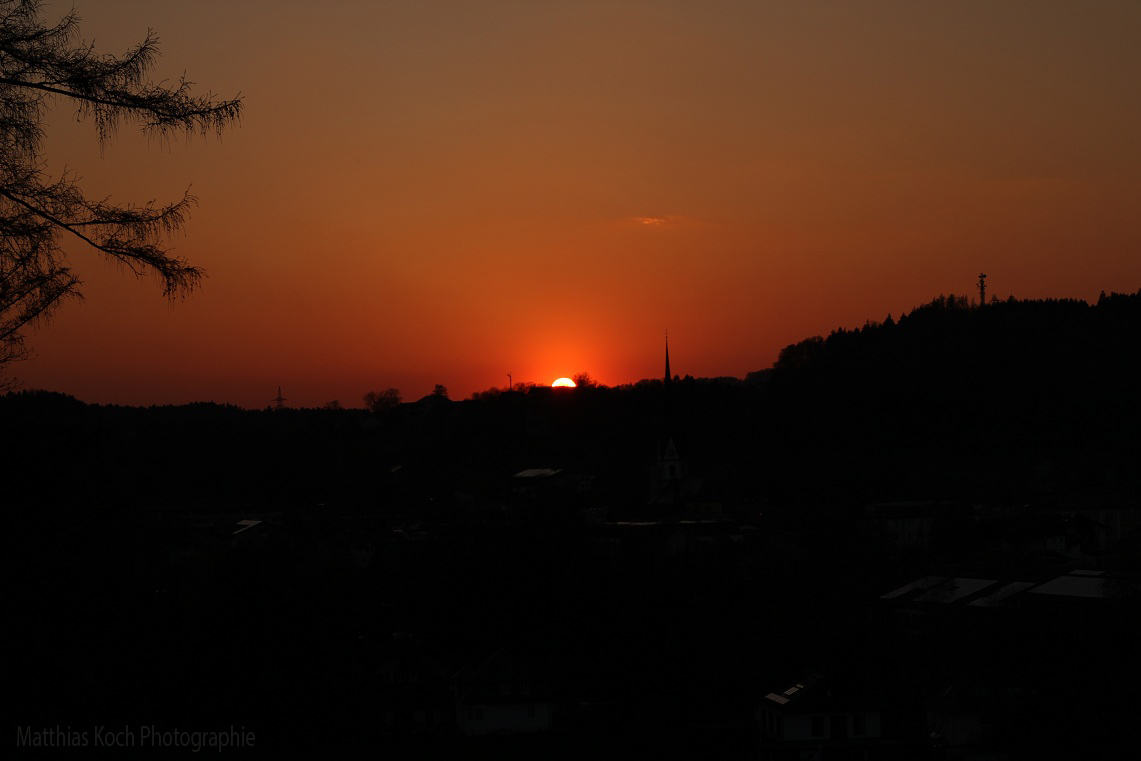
x: 428, y: 192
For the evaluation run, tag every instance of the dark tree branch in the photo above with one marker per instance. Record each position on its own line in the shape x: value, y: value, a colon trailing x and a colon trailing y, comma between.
x: 39, y: 63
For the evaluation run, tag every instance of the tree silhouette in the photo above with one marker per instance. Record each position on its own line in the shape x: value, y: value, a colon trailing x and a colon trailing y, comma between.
x: 40, y: 64
x: 382, y: 401
x: 583, y: 380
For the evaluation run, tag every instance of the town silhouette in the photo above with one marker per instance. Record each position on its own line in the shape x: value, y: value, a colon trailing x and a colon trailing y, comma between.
x: 918, y: 539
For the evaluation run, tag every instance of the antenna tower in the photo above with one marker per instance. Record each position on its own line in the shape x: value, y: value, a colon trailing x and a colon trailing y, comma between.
x: 279, y: 400
x: 982, y: 289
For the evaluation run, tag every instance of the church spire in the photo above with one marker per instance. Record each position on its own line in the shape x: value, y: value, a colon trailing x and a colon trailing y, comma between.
x: 669, y: 471
x: 667, y: 413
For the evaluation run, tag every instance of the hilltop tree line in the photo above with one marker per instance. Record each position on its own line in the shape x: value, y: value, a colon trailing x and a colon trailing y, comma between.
x: 967, y: 393
x: 945, y: 401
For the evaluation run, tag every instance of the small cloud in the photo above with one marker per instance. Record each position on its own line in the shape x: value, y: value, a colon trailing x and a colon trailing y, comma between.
x: 667, y: 220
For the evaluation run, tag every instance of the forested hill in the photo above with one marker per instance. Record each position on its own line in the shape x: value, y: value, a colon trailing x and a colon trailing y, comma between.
x: 948, y: 401
x: 955, y: 394
x: 1011, y: 334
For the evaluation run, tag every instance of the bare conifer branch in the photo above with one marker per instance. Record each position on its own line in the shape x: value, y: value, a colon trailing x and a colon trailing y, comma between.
x: 39, y: 65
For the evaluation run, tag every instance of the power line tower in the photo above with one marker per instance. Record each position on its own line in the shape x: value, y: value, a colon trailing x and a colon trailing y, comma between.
x: 279, y: 400
x: 982, y: 289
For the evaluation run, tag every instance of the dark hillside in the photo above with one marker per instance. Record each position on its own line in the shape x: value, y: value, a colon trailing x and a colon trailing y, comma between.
x: 966, y: 400
x: 202, y: 564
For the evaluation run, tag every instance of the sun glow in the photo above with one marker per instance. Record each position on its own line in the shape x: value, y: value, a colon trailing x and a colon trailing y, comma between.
x: 563, y: 383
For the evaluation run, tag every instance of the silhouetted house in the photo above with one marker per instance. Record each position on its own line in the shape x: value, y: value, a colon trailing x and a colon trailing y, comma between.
x: 341, y: 549
x: 668, y: 470
x: 1091, y: 526
x: 538, y: 483
x: 427, y: 420
x: 815, y: 718
x: 553, y: 494
x: 975, y: 715
x: 940, y: 591
x: 198, y: 537
x: 1073, y: 596
x: 1086, y: 604
x: 1097, y: 529
x: 413, y: 694
x: 432, y: 404
x: 700, y: 543
x: 1025, y: 533
x: 940, y: 629
x: 671, y: 545
x: 503, y: 694
x: 930, y: 603
x: 248, y: 532
x: 537, y: 473
x: 937, y: 625
x: 213, y: 514
x: 916, y: 525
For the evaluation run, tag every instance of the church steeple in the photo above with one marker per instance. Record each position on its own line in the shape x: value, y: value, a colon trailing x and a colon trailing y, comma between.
x: 668, y: 471
x: 667, y: 413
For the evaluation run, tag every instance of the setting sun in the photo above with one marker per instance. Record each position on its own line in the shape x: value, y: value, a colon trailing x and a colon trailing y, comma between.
x: 563, y: 383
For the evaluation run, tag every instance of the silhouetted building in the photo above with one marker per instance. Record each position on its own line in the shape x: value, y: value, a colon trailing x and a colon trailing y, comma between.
x: 973, y: 716
x: 815, y: 718
x: 413, y: 694
x: 915, y: 525
x: 503, y: 694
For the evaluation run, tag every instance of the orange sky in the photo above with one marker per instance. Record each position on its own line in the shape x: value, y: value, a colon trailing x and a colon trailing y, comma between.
x: 446, y: 192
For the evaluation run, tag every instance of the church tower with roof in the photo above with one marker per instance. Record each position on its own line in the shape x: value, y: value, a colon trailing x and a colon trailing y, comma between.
x: 668, y: 470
